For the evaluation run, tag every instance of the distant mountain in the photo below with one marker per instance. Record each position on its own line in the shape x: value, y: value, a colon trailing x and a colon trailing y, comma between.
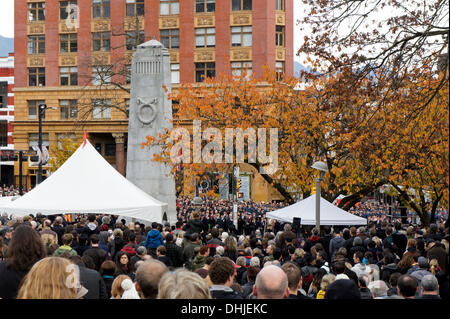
x: 298, y: 67
x: 6, y: 46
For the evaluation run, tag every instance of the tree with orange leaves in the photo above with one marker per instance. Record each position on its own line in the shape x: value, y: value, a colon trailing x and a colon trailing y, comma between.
x: 367, y: 138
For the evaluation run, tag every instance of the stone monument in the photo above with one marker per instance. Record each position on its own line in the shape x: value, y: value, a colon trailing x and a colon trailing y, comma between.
x: 150, y: 114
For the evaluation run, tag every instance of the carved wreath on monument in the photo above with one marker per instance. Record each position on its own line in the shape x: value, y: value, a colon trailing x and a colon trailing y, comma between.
x: 147, y: 110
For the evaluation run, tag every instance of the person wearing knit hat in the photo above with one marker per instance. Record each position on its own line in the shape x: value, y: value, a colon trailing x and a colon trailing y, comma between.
x: 129, y: 290
x: 343, y: 289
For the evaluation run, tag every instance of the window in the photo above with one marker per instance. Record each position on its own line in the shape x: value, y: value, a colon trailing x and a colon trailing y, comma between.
x: 204, y: 70
x: 3, y: 133
x: 170, y: 38
x: 238, y: 5
x: 36, y: 11
x: 135, y: 8
x: 101, y: 41
x: 110, y: 149
x: 101, y: 109
x: 68, y: 42
x: 169, y: 7
x: 241, y: 36
x: 205, y: 37
x: 134, y: 38
x: 61, y: 136
x: 279, y: 36
x: 33, y: 106
x: 3, y: 93
x: 33, y: 140
x: 36, y: 44
x: 175, y: 73
x: 66, y: 8
x: 68, y: 109
x: 279, y: 5
x: 279, y: 65
x: 36, y: 76
x: 205, y: 5
x: 239, y: 68
x: 68, y: 76
x: 101, y: 74
x: 100, y: 8
x: 127, y: 73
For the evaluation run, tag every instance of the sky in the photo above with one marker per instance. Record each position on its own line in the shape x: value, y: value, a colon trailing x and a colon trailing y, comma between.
x: 7, y: 21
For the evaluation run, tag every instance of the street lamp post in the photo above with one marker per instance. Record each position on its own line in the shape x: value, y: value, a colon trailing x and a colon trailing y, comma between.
x: 322, y: 168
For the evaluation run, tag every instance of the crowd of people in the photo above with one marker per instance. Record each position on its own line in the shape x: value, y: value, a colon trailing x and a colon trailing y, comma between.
x: 206, y: 254
x: 12, y: 190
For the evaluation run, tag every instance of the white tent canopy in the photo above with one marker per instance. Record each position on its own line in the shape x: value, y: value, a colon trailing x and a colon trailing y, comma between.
x: 306, y: 210
x: 87, y: 183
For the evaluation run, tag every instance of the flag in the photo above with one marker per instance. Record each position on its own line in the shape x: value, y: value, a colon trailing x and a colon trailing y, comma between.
x: 85, y: 139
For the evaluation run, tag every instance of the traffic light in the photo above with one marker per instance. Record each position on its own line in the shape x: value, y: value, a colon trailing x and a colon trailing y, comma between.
x: 238, y: 185
x: 240, y: 195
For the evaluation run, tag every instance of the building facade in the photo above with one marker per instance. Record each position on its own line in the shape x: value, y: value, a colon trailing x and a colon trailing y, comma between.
x: 75, y: 56
x: 6, y: 119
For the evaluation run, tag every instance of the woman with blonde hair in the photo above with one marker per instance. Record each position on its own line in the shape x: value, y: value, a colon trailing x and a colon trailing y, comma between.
x: 183, y: 284
x: 52, y: 278
x: 117, y: 290
x: 327, y: 280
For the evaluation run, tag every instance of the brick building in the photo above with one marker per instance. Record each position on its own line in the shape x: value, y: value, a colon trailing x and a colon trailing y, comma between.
x: 72, y: 64
x: 6, y: 119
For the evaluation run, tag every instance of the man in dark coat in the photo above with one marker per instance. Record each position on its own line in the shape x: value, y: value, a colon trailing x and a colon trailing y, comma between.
x: 97, y: 254
x: 214, y: 242
x: 174, y: 252
x: 399, y: 239
x: 437, y: 250
x: 91, y: 280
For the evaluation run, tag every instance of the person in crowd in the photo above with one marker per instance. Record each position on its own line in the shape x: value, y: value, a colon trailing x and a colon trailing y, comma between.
x: 379, y: 289
x: 214, y: 242
x: 200, y: 260
x: 222, y: 273
x: 48, y: 236
x: 37, y: 284
x: 363, y: 283
x: 183, y: 284
x: 161, y: 256
x: 407, y: 286
x: 116, y: 244
x: 393, y: 279
x: 58, y: 228
x: 153, y: 240
x: 359, y: 268
x: 141, y: 255
x: 116, y: 288
x: 271, y: 283
x: 327, y: 280
x: 90, y: 279
x: 97, y: 254
x: 24, y: 250
x: 123, y: 264
x: 343, y: 289
x: 295, y: 280
x: 108, y: 270
x: 66, y: 248
x: 335, y: 243
x: 91, y: 227
x: 148, y: 277
x: 429, y: 288
x: 173, y: 251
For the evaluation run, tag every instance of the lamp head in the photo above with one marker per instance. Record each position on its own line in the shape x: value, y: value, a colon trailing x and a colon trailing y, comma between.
x: 321, y: 166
